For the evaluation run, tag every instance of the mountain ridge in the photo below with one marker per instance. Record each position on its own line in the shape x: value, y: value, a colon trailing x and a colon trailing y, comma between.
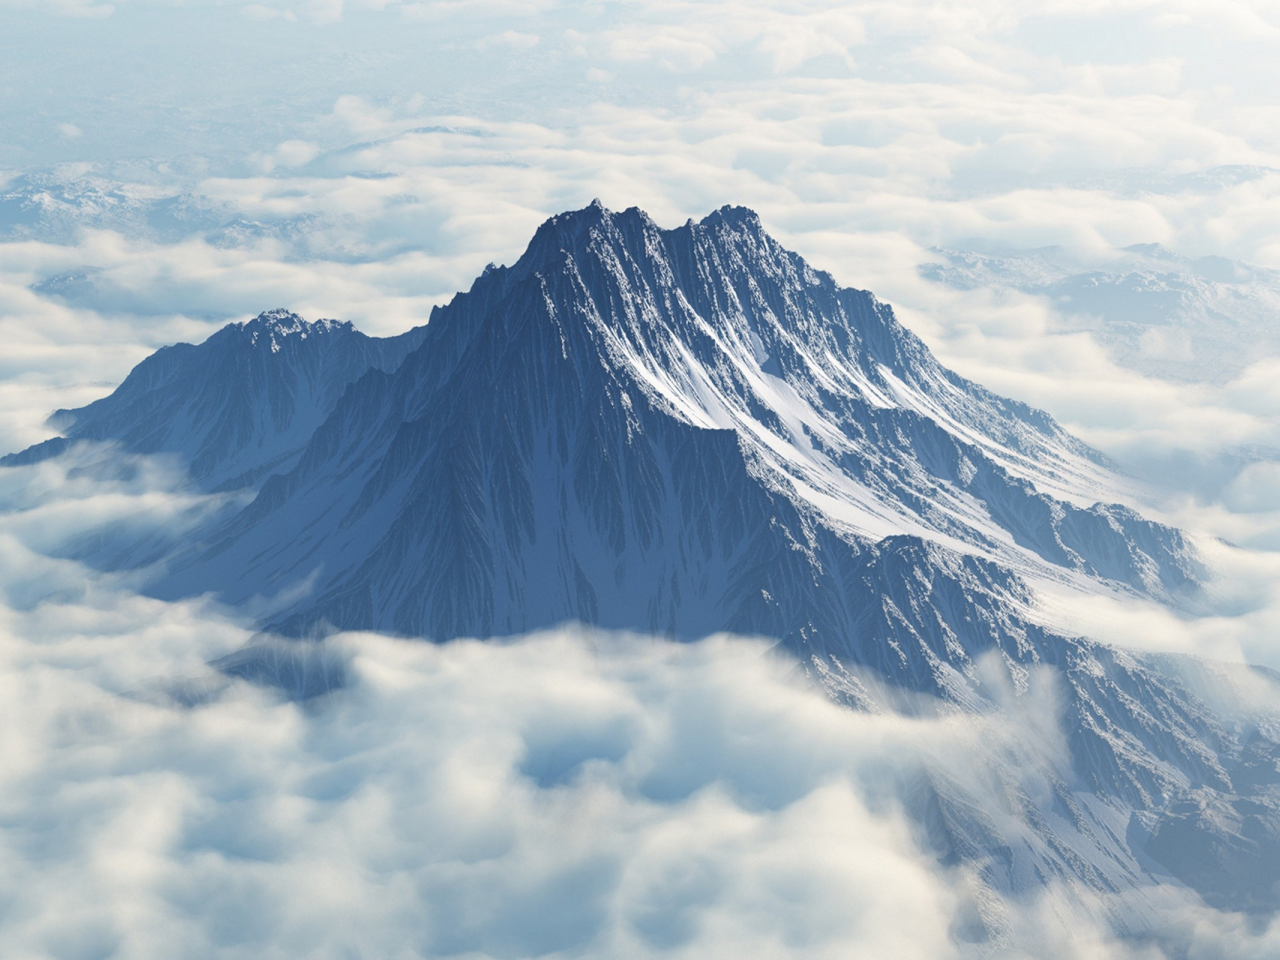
x: 233, y: 410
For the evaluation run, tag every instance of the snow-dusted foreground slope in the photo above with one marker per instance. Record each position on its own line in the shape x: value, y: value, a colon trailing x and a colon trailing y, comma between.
x: 692, y: 431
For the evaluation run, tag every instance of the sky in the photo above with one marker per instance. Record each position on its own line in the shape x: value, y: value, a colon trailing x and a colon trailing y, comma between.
x: 169, y: 167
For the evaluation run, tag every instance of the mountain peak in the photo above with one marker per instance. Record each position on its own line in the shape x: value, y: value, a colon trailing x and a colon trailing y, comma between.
x: 274, y: 326
x: 279, y: 317
x: 573, y: 230
x: 735, y: 215
x: 236, y: 407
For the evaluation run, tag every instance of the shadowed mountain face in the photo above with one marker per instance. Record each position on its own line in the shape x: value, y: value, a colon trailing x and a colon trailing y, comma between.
x: 236, y: 408
x: 688, y: 431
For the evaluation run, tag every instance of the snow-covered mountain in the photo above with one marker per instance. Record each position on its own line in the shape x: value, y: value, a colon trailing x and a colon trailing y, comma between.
x: 239, y: 406
x: 627, y: 408
x: 689, y: 431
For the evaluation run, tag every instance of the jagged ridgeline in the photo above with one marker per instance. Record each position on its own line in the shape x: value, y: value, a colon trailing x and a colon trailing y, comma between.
x: 689, y: 431
x: 239, y: 406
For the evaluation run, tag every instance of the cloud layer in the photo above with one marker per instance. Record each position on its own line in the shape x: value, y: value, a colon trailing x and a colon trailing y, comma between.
x: 560, y: 795
x: 564, y: 794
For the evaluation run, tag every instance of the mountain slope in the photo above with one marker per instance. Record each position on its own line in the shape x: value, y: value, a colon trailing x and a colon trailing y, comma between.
x: 236, y: 407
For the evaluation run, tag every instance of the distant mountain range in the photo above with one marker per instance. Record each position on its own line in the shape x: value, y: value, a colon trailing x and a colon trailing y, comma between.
x: 690, y: 431
x: 1202, y: 319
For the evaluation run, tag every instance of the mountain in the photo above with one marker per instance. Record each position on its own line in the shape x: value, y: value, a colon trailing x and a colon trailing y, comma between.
x: 1193, y: 320
x: 237, y: 407
x: 677, y: 431
x: 689, y: 431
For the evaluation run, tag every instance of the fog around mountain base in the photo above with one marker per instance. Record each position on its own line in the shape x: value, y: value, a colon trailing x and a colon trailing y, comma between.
x: 557, y: 795
x: 564, y: 794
